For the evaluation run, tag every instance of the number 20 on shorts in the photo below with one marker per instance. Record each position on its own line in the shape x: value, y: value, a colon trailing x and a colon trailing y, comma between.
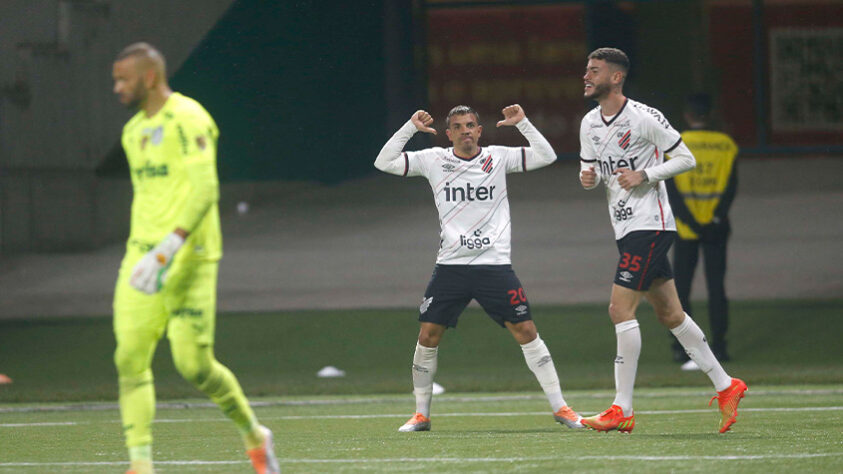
x: 517, y: 296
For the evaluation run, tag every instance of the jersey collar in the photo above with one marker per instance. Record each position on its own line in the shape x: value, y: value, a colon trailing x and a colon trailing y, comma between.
x: 479, y: 151
x: 616, y: 115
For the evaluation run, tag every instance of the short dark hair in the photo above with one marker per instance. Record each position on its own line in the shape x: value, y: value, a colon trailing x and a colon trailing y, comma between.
x: 146, y: 51
x: 461, y: 110
x: 698, y: 105
x: 612, y: 56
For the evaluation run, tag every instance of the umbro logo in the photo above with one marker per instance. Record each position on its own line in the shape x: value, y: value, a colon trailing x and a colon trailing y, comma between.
x: 425, y: 304
x: 448, y: 167
x: 625, y: 276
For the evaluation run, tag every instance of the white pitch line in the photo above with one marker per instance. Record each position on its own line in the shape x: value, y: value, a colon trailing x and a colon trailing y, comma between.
x: 742, y: 457
x: 401, y: 415
x: 439, y: 399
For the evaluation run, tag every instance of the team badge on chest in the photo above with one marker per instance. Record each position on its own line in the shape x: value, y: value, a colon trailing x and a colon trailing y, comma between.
x: 624, y: 140
x: 487, y: 164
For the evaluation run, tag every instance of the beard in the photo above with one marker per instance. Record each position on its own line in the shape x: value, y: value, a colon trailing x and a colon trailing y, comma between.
x: 599, y: 91
x: 137, y: 99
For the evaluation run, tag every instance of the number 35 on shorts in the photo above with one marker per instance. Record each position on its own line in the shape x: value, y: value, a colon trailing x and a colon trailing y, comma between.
x: 630, y: 262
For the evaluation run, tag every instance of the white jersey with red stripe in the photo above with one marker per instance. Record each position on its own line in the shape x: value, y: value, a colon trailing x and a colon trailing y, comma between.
x: 470, y: 193
x: 637, y: 137
x: 472, y: 201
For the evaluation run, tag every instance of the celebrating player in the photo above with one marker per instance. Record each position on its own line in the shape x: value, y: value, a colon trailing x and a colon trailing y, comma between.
x: 469, y: 186
x: 623, y: 143
x: 167, y: 279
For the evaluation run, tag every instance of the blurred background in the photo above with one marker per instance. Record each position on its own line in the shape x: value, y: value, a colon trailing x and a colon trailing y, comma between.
x: 306, y: 92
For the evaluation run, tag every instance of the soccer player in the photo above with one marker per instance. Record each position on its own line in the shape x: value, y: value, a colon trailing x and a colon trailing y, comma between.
x: 469, y: 186
x: 623, y: 143
x: 701, y: 201
x: 167, y: 280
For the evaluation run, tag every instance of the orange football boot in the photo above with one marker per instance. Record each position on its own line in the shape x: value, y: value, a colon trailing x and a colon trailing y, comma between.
x: 611, y: 419
x: 728, y: 401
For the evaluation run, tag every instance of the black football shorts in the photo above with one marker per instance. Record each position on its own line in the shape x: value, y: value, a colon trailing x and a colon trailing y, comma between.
x: 643, y: 258
x: 495, y: 287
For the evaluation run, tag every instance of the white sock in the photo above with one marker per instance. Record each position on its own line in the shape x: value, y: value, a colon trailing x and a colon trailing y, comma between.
x: 626, y: 363
x: 693, y: 340
x: 424, y: 368
x: 539, y: 361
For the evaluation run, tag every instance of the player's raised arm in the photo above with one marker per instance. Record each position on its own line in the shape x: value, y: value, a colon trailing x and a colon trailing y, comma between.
x: 389, y: 159
x: 540, y: 153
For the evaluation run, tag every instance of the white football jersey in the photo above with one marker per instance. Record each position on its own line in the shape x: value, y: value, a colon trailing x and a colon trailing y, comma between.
x: 637, y: 137
x: 472, y: 201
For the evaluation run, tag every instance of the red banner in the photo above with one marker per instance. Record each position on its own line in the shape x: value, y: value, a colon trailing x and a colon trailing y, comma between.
x: 492, y: 57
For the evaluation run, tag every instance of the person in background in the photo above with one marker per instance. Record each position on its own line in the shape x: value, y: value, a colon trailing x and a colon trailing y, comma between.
x: 701, y: 200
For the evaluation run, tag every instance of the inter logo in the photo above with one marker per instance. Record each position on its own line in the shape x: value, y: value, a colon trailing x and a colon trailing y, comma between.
x: 625, y: 139
x: 468, y: 193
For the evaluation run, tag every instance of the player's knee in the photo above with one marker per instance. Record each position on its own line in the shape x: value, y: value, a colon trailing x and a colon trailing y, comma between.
x: 669, y: 318
x: 429, y: 340
x: 129, y: 362
x: 618, y: 314
x: 193, y: 365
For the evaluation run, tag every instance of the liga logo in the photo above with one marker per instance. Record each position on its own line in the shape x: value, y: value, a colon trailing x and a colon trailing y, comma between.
x: 474, y: 241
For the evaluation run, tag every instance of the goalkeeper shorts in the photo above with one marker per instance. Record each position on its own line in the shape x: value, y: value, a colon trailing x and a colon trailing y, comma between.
x: 185, y: 307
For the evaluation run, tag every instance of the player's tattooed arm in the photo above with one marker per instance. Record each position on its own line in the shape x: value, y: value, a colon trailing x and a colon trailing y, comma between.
x: 629, y: 179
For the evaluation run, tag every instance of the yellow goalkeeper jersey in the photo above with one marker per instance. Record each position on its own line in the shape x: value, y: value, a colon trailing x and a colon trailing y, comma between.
x: 703, y: 188
x: 172, y: 160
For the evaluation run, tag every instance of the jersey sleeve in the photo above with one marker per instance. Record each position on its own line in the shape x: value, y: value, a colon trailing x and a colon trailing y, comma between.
x: 540, y: 153
x: 197, y: 135
x: 659, y: 132
x: 417, y: 163
x: 588, y: 156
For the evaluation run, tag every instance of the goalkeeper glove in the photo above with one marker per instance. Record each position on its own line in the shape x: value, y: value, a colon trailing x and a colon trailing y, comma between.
x: 150, y: 272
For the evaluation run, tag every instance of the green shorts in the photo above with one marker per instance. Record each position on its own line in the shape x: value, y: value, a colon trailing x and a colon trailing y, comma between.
x: 185, y: 307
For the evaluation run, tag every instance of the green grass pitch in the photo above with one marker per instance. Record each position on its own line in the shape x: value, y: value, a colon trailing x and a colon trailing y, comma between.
x: 60, y: 414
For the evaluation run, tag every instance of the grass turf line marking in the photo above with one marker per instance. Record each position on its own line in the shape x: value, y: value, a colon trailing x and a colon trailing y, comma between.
x: 394, y: 415
x: 356, y: 401
x: 742, y: 457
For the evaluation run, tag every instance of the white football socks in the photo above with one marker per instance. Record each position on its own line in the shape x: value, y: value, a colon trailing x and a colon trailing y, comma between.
x: 424, y: 368
x: 539, y: 361
x: 626, y: 363
x: 693, y: 340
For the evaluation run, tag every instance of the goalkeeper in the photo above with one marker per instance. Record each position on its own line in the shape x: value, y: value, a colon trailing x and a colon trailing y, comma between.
x: 167, y: 279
